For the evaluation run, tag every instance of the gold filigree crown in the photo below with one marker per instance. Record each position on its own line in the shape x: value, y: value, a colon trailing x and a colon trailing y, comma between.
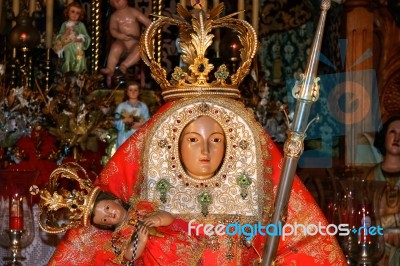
x: 195, y: 27
x: 67, y: 200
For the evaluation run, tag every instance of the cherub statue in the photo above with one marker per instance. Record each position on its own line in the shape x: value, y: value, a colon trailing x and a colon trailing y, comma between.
x: 125, y: 29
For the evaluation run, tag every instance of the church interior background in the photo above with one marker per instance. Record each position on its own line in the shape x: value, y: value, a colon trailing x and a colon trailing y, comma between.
x: 38, y: 101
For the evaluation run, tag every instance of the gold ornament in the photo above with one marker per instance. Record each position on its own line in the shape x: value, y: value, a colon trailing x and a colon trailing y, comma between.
x: 67, y: 200
x: 195, y: 36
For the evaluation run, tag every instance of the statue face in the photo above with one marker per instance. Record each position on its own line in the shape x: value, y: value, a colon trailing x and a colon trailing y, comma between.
x: 108, y: 212
x: 133, y: 92
x: 74, y: 13
x: 202, y: 147
x: 392, y: 140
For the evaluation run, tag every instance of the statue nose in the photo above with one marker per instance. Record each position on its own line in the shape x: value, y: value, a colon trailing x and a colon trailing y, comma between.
x: 205, y: 148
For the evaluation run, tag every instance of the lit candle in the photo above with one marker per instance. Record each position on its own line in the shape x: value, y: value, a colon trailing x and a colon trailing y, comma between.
x: 16, y: 219
x: 234, y: 48
x: 32, y: 7
x: 241, y: 8
x: 255, y: 15
x: 49, y: 23
x: 23, y: 37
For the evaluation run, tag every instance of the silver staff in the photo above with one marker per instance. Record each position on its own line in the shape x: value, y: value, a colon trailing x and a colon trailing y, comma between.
x: 306, y: 91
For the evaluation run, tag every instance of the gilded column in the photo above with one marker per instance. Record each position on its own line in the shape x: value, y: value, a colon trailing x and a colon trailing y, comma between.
x: 95, y: 35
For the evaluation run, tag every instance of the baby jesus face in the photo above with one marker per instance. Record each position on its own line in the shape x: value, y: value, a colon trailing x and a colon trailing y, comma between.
x: 74, y: 13
x: 108, y: 212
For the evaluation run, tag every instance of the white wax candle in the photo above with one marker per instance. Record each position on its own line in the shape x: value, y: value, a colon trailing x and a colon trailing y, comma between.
x: 1, y: 8
x: 49, y: 23
x: 241, y: 8
x: 256, y: 5
x: 217, y: 33
x: 32, y: 7
x: 15, y: 9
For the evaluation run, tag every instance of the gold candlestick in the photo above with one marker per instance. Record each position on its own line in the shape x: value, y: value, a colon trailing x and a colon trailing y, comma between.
x: 15, y: 248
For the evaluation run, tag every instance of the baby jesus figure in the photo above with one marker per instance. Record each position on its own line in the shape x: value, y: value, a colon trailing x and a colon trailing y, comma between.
x: 131, y: 227
x: 129, y: 231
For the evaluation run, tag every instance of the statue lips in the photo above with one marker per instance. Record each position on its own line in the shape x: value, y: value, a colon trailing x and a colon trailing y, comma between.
x: 204, y: 160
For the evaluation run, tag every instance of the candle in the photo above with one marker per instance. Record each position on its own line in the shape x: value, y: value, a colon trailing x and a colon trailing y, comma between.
x: 217, y: 34
x: 255, y: 15
x: 1, y: 7
x: 32, y: 7
x: 16, y: 219
x: 15, y: 9
x: 49, y: 23
x: 241, y: 8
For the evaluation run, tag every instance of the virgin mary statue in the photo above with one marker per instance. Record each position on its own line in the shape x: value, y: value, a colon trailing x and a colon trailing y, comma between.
x: 203, y: 158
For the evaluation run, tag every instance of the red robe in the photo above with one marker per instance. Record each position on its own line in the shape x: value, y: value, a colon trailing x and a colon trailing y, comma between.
x: 123, y: 176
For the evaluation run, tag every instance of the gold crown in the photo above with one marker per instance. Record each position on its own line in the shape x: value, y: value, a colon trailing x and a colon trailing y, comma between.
x: 67, y: 200
x: 195, y: 28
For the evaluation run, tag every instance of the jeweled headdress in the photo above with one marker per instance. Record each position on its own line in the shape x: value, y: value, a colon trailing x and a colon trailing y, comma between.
x: 67, y: 200
x: 195, y: 27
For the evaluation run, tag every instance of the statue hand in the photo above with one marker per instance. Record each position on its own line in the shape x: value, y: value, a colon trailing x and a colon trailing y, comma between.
x: 143, y: 234
x: 152, y: 221
x: 126, y: 38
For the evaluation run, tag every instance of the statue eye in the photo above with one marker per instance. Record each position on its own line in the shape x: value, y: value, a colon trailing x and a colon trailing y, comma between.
x: 216, y: 140
x: 193, y: 139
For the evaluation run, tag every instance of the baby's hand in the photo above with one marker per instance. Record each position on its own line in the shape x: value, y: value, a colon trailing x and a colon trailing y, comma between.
x: 143, y: 234
x: 152, y: 221
x: 126, y: 37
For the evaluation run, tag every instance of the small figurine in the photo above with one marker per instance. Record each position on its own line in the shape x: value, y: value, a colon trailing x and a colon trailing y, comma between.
x: 130, y: 114
x: 125, y: 29
x: 72, y: 40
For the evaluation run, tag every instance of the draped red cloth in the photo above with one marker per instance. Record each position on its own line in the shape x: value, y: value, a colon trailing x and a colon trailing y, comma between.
x: 121, y: 176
